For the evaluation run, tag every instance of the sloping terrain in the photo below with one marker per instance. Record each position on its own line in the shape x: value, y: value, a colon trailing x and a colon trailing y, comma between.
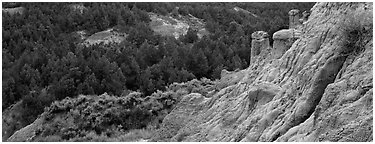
x: 314, y: 92
x: 44, y: 59
x: 163, y: 25
x: 320, y: 89
x: 12, y: 11
x: 245, y: 11
x: 105, y: 117
x: 106, y: 37
x: 10, y: 122
x: 170, y: 26
x: 78, y: 8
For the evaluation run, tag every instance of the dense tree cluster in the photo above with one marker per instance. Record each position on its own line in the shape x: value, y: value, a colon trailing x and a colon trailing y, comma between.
x: 43, y: 60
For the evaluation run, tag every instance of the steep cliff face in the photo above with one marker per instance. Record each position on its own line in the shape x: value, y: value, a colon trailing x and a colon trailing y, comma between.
x: 313, y: 92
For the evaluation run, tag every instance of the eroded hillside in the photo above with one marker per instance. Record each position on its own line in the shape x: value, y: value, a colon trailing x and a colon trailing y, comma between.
x: 319, y: 90
x: 314, y: 84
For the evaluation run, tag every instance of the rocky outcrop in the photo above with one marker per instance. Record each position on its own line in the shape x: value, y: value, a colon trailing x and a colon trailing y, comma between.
x: 305, y: 16
x: 259, y: 43
x: 283, y: 40
x: 16, y: 10
x: 293, y: 18
x: 176, y: 26
x: 80, y: 8
x: 81, y: 34
x: 295, y: 21
x: 312, y: 93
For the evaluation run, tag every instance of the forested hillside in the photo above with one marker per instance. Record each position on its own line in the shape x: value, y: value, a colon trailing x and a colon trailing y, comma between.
x: 44, y: 59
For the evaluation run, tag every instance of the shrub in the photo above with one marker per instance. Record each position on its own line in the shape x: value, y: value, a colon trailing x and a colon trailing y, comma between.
x: 356, y: 30
x: 51, y: 138
x: 112, y: 118
x: 135, y: 135
x: 33, y: 104
x: 94, y: 118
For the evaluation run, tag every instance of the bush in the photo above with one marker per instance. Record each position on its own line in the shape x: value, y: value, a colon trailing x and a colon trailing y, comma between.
x: 130, y: 117
x: 33, y: 105
x: 356, y: 30
x: 94, y: 118
x: 135, y: 135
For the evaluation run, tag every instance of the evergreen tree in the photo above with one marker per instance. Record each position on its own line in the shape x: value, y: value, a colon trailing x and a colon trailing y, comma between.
x: 190, y: 37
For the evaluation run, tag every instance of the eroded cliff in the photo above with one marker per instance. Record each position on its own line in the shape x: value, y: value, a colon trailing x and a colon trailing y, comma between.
x: 320, y: 89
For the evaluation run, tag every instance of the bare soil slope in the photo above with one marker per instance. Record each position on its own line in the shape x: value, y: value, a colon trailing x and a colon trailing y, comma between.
x: 312, y: 93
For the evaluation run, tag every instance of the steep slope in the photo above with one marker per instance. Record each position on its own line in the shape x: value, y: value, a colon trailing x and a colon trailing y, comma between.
x: 316, y: 91
x: 10, y: 122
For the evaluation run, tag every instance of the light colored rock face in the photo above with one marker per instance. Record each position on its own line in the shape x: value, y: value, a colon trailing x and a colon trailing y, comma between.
x: 78, y: 8
x: 176, y: 27
x: 286, y: 34
x: 259, y: 43
x: 305, y: 16
x: 238, y: 9
x: 82, y: 34
x: 26, y: 133
x: 283, y: 40
x: 259, y: 35
x: 293, y: 18
x: 12, y: 11
x: 310, y: 94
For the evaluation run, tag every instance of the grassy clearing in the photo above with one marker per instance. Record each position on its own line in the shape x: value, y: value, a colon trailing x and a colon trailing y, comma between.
x: 166, y: 30
x: 106, y: 37
x: 100, y: 35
